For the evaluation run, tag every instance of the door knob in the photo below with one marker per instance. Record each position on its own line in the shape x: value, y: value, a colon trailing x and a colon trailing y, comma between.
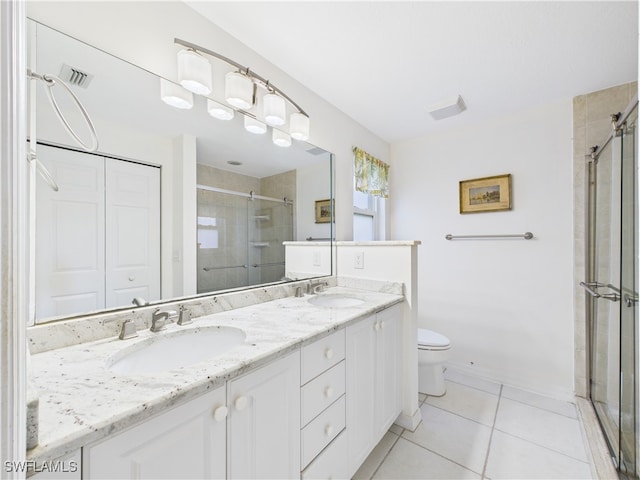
x: 241, y: 403
x: 220, y: 413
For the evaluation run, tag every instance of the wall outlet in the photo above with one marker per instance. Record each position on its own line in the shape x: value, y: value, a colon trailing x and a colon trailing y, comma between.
x: 316, y: 259
x: 359, y: 260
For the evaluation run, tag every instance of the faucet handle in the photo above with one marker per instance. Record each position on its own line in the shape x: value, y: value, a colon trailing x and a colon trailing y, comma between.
x: 128, y: 330
x: 184, y: 317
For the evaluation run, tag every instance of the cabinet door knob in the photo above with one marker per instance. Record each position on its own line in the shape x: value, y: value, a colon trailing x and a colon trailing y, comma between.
x: 376, y: 326
x: 132, y: 278
x: 220, y: 413
x: 328, y: 392
x: 241, y: 403
x: 328, y: 353
x: 328, y: 430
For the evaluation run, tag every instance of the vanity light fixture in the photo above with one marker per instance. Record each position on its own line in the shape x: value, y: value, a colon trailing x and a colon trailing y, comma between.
x: 219, y: 111
x: 175, y: 95
x: 240, y: 91
x: 299, y: 126
x: 274, y: 108
x: 194, y: 72
x: 281, y: 139
x: 254, y: 126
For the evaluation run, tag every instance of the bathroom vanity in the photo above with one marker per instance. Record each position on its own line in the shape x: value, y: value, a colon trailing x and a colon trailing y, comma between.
x: 308, y: 394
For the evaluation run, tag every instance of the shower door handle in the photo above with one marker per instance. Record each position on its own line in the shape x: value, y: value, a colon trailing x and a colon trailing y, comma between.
x: 589, y: 287
x: 630, y: 301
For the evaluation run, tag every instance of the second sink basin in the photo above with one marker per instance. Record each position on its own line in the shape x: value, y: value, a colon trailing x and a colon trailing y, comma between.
x: 175, y: 349
x: 335, y: 300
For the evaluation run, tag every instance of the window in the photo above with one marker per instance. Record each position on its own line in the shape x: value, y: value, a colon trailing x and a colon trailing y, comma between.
x: 369, y: 197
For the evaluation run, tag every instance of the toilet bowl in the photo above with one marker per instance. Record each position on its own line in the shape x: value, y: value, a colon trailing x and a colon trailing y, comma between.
x: 433, y: 351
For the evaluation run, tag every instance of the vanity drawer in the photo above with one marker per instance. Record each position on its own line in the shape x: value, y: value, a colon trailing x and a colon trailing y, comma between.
x: 321, y: 355
x: 322, y: 391
x: 322, y: 430
x: 331, y: 463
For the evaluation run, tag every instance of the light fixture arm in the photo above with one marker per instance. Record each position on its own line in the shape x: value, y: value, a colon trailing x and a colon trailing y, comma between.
x: 254, y: 76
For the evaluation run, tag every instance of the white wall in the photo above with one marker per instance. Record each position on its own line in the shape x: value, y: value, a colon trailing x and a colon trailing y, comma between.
x: 506, y: 305
x: 143, y: 33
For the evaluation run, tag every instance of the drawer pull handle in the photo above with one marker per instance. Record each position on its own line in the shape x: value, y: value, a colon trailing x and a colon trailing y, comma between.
x: 328, y: 392
x: 328, y: 430
x: 328, y: 353
x: 220, y: 413
x: 240, y: 403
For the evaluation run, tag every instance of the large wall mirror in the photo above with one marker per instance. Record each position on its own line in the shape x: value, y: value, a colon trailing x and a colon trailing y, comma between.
x: 173, y: 203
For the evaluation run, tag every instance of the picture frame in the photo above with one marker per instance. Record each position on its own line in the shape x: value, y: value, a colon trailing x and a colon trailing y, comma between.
x: 487, y: 194
x: 323, y: 211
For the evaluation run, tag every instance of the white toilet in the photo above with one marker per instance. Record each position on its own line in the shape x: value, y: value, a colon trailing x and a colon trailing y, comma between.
x: 433, y: 351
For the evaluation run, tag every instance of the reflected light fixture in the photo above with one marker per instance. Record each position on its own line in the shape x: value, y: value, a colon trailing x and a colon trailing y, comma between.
x: 194, y: 72
x: 299, y: 126
x: 219, y: 111
x: 281, y: 139
x: 254, y: 126
x: 240, y: 92
x: 175, y: 95
x: 274, y: 109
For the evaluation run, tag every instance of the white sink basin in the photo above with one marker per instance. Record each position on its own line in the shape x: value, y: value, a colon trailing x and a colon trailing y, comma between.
x: 175, y: 349
x: 335, y: 300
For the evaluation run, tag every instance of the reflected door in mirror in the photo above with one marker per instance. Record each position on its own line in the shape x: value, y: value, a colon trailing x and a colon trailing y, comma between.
x: 98, y: 237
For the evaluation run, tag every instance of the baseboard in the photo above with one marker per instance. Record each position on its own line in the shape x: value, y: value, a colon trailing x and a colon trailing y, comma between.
x: 410, y: 422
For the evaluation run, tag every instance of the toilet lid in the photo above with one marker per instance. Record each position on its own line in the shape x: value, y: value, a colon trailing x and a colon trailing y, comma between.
x: 429, y: 338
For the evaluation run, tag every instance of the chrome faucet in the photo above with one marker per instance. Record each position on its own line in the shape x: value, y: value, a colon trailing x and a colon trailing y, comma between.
x: 316, y: 287
x: 160, y: 317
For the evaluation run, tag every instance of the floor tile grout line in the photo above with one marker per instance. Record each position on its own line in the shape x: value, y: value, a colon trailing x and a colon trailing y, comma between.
x: 457, y: 414
x: 386, y: 454
x: 543, y: 408
x: 439, y: 455
x: 475, y: 388
x: 493, y: 428
x: 543, y: 446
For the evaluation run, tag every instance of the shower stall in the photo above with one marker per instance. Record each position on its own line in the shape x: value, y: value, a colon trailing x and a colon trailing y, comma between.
x: 611, y: 288
x: 240, y: 238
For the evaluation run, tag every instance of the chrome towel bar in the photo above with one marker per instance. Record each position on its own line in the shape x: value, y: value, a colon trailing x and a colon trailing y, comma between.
x: 525, y: 235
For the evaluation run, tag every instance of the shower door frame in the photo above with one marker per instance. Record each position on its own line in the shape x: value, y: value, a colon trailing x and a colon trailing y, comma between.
x: 611, y: 432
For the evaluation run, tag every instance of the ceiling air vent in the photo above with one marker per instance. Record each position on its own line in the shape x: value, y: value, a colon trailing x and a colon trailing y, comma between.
x: 75, y: 76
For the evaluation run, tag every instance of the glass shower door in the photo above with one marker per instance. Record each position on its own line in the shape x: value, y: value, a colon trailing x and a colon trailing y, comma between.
x: 612, y: 287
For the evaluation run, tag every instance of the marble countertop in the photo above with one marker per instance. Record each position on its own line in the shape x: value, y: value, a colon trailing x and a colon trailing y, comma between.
x: 82, y: 401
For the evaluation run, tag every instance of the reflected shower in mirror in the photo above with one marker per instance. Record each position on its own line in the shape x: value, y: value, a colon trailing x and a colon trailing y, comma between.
x: 175, y: 203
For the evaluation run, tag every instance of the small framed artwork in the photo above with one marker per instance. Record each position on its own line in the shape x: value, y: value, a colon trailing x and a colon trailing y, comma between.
x: 488, y: 194
x: 323, y: 211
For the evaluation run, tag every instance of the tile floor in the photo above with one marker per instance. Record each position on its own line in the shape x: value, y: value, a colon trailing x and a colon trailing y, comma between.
x: 481, y: 429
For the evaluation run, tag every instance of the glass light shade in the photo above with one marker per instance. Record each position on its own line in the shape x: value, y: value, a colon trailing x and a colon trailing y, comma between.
x: 194, y: 72
x: 219, y: 111
x: 238, y: 90
x: 175, y: 95
x: 281, y: 139
x: 254, y: 126
x: 299, y: 126
x: 274, y: 109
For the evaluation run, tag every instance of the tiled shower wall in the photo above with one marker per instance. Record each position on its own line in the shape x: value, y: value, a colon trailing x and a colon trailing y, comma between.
x: 249, y: 232
x: 591, y: 125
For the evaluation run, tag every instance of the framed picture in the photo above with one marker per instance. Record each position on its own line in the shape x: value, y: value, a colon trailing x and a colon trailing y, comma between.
x: 489, y: 194
x: 323, y: 211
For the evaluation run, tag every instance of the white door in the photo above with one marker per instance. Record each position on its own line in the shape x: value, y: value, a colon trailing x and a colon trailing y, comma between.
x: 264, y: 422
x: 188, y: 441
x: 361, y: 390
x: 388, y: 376
x: 133, y: 232
x: 70, y: 234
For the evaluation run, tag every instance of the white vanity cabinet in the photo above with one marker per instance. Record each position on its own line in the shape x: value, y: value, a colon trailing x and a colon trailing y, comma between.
x: 373, y: 349
x: 188, y: 441
x: 264, y: 421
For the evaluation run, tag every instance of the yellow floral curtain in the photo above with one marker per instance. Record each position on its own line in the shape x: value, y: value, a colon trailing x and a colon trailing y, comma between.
x: 371, y: 174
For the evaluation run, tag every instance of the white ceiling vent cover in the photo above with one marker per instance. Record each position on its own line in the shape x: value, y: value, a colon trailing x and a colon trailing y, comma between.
x: 75, y: 76
x: 447, y: 108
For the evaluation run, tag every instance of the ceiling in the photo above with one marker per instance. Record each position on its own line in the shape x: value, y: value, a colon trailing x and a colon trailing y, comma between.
x: 384, y: 63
